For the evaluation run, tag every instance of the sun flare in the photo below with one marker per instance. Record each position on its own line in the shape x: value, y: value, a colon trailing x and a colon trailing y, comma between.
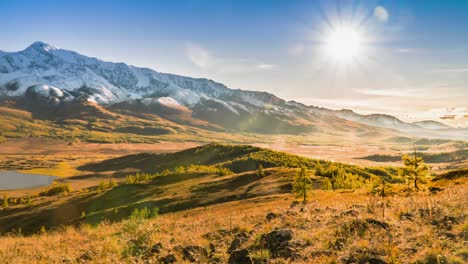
x: 344, y: 44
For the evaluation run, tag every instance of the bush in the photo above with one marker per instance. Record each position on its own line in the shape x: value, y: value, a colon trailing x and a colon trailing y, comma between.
x: 326, y: 184
x: 57, y: 189
x: 145, y: 213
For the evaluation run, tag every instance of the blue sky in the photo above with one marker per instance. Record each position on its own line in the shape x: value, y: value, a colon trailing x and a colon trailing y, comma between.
x: 414, y: 60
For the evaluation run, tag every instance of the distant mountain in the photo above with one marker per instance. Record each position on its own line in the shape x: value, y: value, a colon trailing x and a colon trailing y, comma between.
x: 379, y: 120
x: 430, y: 124
x: 46, y: 80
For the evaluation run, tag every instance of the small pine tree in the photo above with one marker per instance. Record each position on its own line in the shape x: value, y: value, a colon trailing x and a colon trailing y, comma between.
x: 5, y: 201
x: 28, y: 200
x: 43, y: 230
x: 414, y: 168
x: 102, y: 186
x: 260, y: 171
x: 326, y: 184
x: 83, y: 214
x: 302, y: 184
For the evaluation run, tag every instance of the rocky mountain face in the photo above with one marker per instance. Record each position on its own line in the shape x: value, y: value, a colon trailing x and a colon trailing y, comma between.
x: 43, y: 77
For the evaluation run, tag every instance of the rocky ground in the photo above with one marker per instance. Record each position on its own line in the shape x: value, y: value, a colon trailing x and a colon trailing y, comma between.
x: 334, y: 227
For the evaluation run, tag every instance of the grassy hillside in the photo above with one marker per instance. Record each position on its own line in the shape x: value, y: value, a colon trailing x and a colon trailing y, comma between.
x: 454, y: 156
x: 237, y: 158
x: 209, y: 204
x: 335, y: 227
x: 195, y: 177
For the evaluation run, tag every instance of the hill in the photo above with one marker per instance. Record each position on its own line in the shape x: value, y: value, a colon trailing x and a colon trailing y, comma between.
x: 196, y: 177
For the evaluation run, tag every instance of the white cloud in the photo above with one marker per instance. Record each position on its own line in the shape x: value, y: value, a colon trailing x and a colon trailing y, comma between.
x: 389, y: 92
x: 450, y: 70
x: 381, y: 14
x: 199, y: 56
x: 406, y: 50
x: 204, y: 59
x: 266, y: 66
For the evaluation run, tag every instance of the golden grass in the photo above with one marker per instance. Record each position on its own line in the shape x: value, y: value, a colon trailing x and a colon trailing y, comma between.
x: 421, y: 227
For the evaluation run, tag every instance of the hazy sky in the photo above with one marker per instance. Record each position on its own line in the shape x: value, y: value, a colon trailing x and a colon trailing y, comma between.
x: 413, y: 59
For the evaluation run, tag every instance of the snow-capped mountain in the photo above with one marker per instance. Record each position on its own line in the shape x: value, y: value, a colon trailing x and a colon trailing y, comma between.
x: 43, y: 68
x: 52, y: 77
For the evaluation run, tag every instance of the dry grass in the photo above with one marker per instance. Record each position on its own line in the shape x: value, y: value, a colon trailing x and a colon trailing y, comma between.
x: 334, y: 227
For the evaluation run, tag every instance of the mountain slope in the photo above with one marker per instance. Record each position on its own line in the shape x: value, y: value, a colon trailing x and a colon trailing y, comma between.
x: 45, y: 80
x: 430, y: 124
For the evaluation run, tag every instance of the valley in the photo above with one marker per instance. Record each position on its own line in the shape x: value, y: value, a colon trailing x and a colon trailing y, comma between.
x: 143, y: 158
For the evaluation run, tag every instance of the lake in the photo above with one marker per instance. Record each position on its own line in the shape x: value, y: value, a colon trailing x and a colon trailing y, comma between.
x: 12, y: 180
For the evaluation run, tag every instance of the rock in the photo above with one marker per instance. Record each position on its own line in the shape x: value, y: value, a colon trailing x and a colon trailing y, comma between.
x: 376, y: 261
x: 288, y: 250
x: 434, y: 190
x: 156, y: 248
x: 270, y: 216
x: 451, y: 235
x: 85, y: 257
x: 406, y: 216
x: 349, y: 213
x: 377, y: 223
x: 279, y: 244
x: 168, y: 259
x: 274, y: 239
x: 240, y: 256
x: 238, y: 240
x: 294, y: 204
x: 212, y: 249
x: 195, y: 253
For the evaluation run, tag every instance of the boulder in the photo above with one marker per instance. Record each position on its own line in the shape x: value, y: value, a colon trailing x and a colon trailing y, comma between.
x: 240, y: 256
x: 270, y: 216
x: 168, y: 259
x: 195, y: 253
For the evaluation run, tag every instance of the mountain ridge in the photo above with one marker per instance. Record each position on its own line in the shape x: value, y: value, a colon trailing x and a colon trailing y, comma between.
x: 58, y: 76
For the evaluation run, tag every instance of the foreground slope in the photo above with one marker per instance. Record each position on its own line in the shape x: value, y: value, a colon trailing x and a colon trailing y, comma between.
x: 335, y: 227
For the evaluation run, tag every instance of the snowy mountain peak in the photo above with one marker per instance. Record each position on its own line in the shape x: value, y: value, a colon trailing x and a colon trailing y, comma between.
x: 108, y: 82
x: 41, y: 46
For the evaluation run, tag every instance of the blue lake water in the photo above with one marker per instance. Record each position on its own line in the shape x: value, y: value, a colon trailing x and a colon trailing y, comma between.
x: 12, y: 180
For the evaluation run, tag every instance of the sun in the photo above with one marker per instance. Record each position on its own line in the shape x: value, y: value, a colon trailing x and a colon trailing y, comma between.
x: 343, y: 44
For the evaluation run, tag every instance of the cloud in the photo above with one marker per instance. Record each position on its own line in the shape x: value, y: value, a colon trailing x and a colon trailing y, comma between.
x: 389, y: 92
x: 204, y: 59
x: 450, y: 70
x: 381, y: 14
x: 199, y: 56
x: 266, y: 66
x: 296, y: 49
x: 407, y: 50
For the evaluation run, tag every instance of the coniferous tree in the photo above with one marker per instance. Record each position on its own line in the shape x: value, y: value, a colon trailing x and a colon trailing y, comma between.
x: 414, y: 168
x: 302, y: 184
x: 5, y: 201
x: 260, y: 171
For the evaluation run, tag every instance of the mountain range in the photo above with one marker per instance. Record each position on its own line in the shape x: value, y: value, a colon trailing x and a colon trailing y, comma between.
x: 59, y: 84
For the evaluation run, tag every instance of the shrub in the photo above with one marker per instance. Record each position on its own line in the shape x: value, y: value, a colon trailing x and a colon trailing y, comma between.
x: 5, y: 201
x: 326, y: 184
x: 260, y: 171
x: 57, y: 189
x: 145, y: 213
